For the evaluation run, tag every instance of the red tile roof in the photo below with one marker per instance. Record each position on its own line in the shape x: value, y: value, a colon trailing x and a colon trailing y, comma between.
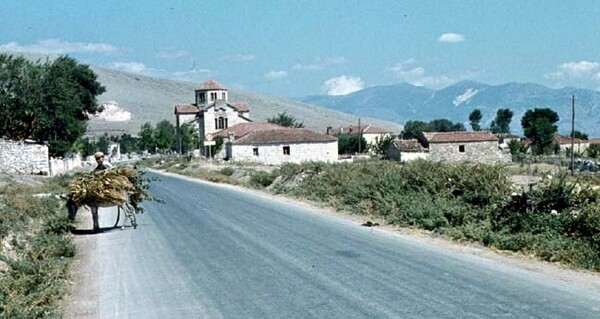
x: 211, y: 85
x: 594, y: 141
x: 242, y: 129
x: 411, y: 145
x: 240, y: 106
x: 563, y: 140
x: 289, y: 135
x: 457, y: 137
x: 186, y: 109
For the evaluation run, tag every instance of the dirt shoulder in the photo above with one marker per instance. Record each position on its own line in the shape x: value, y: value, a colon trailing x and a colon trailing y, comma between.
x: 574, y: 277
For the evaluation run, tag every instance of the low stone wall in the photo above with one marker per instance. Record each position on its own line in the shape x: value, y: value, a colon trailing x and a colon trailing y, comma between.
x: 23, y: 157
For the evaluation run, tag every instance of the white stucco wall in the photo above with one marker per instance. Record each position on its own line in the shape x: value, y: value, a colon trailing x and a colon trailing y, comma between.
x: 272, y: 154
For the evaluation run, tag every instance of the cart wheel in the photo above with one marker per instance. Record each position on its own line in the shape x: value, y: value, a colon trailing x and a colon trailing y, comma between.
x: 118, y: 216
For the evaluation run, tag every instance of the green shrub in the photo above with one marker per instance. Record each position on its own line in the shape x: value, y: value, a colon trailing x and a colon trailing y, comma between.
x: 262, y: 178
x: 227, y: 171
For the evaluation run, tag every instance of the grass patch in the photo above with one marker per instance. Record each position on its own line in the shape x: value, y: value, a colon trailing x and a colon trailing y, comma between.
x: 36, y: 252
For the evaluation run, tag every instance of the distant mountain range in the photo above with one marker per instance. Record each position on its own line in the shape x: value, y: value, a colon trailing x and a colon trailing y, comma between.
x: 405, y: 102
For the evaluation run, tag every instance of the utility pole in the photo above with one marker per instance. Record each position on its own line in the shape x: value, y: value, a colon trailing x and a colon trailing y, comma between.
x: 573, y: 136
x: 359, y: 137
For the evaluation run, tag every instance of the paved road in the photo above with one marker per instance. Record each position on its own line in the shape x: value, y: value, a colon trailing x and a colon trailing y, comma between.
x: 214, y: 252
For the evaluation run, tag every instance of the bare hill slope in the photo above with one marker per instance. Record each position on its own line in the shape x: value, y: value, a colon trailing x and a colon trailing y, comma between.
x: 152, y: 99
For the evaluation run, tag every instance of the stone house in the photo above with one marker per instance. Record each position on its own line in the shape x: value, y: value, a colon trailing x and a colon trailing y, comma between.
x: 370, y: 133
x: 476, y: 147
x: 212, y: 111
x: 271, y: 144
x: 406, y: 150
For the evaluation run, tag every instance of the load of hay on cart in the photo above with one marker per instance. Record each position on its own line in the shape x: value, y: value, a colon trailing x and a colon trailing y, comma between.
x: 122, y: 187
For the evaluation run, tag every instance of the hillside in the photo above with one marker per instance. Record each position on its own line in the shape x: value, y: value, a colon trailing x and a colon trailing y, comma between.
x: 149, y: 99
x: 152, y: 99
x: 404, y: 102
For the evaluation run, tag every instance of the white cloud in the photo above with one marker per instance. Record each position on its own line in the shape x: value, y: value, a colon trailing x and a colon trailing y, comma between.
x: 56, y: 46
x: 451, y: 38
x: 130, y: 67
x: 465, y: 97
x: 239, y: 58
x: 114, y: 113
x: 276, y: 75
x: 417, y: 75
x: 343, y: 85
x: 172, y: 54
x: 574, y: 69
x: 320, y: 64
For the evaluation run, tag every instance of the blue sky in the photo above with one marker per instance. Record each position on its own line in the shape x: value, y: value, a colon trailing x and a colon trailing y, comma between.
x: 298, y: 48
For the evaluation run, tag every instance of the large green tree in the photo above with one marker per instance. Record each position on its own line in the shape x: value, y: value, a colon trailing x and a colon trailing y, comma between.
x: 49, y: 102
x: 285, y: 119
x: 146, y: 141
x: 189, y: 137
x: 539, y: 126
x: 349, y: 144
x: 164, y: 136
x: 475, y: 119
x: 501, y: 124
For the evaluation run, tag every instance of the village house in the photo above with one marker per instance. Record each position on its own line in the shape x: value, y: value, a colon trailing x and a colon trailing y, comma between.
x: 271, y: 144
x: 212, y: 111
x: 476, y: 147
x: 564, y: 144
x: 371, y: 134
x: 406, y: 150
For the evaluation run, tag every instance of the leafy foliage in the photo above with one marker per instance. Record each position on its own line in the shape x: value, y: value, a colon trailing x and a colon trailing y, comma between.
x: 381, y: 144
x: 164, y: 136
x: 49, y: 102
x: 285, y: 119
x: 474, y: 119
x: 349, y: 144
x: 189, y: 137
x: 539, y: 126
x: 415, y: 129
x: 37, y: 269
x: 147, y: 141
x: 501, y: 124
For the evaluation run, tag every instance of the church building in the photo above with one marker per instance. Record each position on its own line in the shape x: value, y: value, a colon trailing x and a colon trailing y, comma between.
x: 212, y: 111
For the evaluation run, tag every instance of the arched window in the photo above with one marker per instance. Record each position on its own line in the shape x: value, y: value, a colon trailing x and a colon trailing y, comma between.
x: 221, y: 123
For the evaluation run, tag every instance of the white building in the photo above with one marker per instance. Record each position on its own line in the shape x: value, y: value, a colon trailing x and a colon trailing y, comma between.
x: 212, y: 110
x: 272, y: 144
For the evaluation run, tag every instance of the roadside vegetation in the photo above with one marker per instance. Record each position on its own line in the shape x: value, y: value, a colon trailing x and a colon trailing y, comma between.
x: 556, y: 219
x: 36, y: 249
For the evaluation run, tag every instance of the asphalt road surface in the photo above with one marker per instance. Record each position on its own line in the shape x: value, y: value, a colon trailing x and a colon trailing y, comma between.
x: 217, y: 252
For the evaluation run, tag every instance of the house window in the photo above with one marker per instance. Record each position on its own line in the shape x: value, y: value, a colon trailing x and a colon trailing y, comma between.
x: 461, y: 148
x: 255, y: 151
x: 226, y: 126
x: 223, y: 96
x: 213, y: 96
x: 202, y: 97
x: 221, y: 123
x: 216, y: 123
x: 286, y: 150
